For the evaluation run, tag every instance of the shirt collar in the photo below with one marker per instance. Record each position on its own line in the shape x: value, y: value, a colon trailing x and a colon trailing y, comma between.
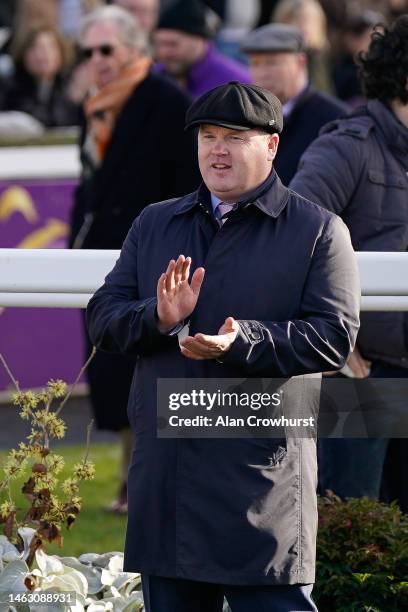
x: 288, y: 107
x: 214, y: 201
x: 270, y: 197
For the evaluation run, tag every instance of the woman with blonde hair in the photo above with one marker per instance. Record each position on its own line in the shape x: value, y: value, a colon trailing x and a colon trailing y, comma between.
x: 309, y: 17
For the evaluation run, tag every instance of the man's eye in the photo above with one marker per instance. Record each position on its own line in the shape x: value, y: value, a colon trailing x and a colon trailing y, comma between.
x: 237, y: 138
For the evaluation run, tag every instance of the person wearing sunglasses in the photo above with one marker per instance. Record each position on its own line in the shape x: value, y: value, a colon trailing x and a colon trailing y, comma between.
x: 130, y: 116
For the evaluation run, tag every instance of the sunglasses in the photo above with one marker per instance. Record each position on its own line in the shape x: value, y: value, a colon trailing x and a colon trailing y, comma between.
x: 105, y: 50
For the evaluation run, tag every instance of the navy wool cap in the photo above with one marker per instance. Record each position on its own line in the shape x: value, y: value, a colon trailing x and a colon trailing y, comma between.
x: 189, y: 16
x: 237, y: 106
x: 274, y: 38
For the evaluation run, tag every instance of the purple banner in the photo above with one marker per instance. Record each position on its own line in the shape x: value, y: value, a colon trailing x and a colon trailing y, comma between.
x: 38, y: 343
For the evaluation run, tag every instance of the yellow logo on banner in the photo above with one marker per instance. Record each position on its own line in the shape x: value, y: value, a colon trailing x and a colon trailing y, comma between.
x: 17, y: 199
x: 54, y: 229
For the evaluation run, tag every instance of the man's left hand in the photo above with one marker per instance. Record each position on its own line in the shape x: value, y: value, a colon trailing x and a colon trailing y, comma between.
x: 202, y: 346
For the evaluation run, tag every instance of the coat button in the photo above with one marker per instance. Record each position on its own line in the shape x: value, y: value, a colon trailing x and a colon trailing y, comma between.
x: 256, y: 336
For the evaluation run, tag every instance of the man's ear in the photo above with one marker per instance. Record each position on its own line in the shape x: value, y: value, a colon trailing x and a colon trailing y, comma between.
x: 273, y: 146
x: 302, y: 60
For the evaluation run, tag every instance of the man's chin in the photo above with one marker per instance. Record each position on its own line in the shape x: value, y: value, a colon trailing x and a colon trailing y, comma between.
x: 217, y: 187
x: 222, y: 192
x: 176, y: 71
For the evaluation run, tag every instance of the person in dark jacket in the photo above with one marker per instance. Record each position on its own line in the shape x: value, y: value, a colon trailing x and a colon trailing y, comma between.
x: 38, y: 86
x: 278, y: 62
x: 267, y: 298
x: 358, y: 169
x: 134, y: 151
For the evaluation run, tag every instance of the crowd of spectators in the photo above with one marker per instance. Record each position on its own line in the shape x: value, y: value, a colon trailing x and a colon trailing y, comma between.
x: 64, y: 64
x: 42, y: 71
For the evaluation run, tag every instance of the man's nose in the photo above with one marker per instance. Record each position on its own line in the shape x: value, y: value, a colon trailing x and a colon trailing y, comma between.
x: 97, y: 57
x: 219, y: 148
x: 94, y: 60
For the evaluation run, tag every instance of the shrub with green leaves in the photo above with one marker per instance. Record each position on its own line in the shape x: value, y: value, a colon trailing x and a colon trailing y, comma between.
x: 50, y: 501
x: 362, y: 556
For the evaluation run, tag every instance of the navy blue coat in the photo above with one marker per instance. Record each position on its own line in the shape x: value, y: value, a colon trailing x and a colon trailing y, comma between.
x: 234, y: 511
x: 311, y: 112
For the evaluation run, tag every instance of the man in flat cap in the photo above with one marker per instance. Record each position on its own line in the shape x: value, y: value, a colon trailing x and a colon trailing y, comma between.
x: 278, y: 62
x: 242, y: 278
x: 183, y: 48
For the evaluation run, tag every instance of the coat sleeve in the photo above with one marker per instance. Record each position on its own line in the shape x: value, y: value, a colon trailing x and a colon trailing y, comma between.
x: 325, y: 332
x: 329, y: 171
x: 118, y: 321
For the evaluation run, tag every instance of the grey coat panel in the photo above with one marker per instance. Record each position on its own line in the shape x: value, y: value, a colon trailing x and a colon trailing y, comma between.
x: 357, y: 168
x: 235, y: 511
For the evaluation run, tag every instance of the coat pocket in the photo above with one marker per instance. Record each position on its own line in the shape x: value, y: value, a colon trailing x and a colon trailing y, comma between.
x: 387, y: 180
x: 268, y: 452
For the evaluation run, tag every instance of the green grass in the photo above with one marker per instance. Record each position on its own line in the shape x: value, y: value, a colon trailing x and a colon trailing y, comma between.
x: 95, y: 530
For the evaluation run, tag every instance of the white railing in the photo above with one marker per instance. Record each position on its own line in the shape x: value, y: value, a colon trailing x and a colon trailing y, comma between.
x: 61, y: 278
x: 39, y: 162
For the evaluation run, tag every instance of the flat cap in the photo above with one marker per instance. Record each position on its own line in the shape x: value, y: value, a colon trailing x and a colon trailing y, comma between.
x: 274, y: 38
x: 237, y: 106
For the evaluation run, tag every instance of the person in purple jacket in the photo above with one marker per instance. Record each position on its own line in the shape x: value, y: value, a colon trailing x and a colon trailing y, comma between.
x: 183, y: 49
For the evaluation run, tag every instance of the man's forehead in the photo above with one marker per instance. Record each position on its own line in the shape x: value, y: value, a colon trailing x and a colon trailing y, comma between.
x: 167, y: 34
x: 219, y: 129
x: 139, y: 3
x: 272, y: 56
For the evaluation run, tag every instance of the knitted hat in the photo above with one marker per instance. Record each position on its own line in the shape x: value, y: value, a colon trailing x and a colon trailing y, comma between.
x: 190, y: 16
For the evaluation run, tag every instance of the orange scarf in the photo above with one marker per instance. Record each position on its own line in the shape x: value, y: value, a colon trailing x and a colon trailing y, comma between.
x: 103, y: 108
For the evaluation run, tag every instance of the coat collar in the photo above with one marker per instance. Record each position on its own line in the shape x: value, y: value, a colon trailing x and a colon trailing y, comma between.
x: 393, y: 131
x: 270, y: 197
x: 295, y: 103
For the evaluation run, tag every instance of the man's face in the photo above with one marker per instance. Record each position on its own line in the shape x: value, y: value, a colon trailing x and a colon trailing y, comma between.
x: 145, y: 11
x: 283, y: 74
x: 233, y: 162
x: 104, y: 68
x: 177, y: 51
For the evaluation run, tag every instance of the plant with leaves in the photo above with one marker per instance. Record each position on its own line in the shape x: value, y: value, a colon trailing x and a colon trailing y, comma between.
x: 51, y: 503
x: 362, y: 556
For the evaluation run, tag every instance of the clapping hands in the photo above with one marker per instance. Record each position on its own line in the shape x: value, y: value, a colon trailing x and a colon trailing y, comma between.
x: 176, y: 300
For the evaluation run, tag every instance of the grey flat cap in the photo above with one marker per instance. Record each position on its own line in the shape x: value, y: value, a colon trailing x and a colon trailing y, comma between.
x: 274, y: 38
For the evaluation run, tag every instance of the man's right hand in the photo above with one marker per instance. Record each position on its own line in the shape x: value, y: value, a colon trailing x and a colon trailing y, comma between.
x: 358, y: 365
x: 176, y: 298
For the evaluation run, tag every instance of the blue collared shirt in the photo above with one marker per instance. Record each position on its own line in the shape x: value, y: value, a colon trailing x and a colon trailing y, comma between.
x: 214, y: 202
